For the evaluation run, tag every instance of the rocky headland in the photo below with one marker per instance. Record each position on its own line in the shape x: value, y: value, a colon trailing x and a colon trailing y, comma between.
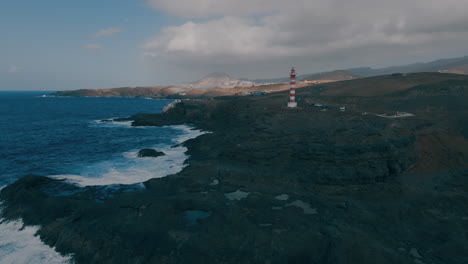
x: 177, y: 92
x: 277, y: 185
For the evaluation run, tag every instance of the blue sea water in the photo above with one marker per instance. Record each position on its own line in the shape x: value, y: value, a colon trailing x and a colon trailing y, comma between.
x: 62, y: 137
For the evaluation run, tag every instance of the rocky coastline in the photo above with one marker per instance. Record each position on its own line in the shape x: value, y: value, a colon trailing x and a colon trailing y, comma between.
x: 276, y: 185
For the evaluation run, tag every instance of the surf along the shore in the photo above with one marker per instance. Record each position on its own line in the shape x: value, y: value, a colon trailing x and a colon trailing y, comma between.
x: 100, y: 166
x: 277, y: 185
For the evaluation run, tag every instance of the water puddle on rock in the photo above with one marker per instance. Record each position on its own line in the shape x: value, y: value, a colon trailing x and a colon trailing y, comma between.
x: 237, y: 195
x: 282, y: 197
x: 304, y: 206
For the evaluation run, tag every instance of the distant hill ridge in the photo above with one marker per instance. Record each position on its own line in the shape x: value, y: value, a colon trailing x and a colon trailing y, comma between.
x: 217, y: 80
x: 454, y: 65
x: 221, y: 80
x: 387, y: 84
x: 457, y: 65
x: 338, y: 75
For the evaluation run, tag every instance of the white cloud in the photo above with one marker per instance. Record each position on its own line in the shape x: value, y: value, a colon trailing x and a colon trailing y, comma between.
x: 226, y: 36
x: 14, y: 69
x: 262, y: 31
x: 107, y: 32
x: 204, y: 8
x: 92, y: 46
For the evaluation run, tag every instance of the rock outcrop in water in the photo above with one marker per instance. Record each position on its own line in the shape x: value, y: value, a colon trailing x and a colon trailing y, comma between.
x: 150, y: 153
x: 353, y: 187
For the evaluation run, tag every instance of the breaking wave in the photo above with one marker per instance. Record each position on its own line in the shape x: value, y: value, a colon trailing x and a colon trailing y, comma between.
x: 19, y: 244
x: 131, y: 169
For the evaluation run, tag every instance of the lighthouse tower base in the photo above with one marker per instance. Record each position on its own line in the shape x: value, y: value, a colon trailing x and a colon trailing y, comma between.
x: 292, y: 104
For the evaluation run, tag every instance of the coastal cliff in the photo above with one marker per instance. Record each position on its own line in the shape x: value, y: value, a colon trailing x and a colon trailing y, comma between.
x: 277, y: 185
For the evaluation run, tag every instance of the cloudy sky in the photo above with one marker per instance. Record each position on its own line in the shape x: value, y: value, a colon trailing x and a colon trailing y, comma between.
x: 61, y: 45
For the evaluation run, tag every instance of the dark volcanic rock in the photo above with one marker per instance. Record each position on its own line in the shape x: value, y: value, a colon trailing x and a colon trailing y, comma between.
x: 380, y: 189
x: 150, y: 153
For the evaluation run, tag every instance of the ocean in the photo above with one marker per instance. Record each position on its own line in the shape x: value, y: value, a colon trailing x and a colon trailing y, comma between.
x: 63, y: 138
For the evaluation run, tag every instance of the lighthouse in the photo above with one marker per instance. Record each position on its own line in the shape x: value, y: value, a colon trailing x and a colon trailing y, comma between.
x: 292, y: 91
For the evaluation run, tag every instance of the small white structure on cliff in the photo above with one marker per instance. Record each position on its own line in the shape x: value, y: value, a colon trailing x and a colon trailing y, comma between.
x: 171, y: 105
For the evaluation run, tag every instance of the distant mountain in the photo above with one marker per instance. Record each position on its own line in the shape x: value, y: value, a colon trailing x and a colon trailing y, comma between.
x: 454, y: 65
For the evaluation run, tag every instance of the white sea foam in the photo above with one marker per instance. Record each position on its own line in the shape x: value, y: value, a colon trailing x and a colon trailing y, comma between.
x: 130, y: 169
x: 18, y: 244
x: 397, y: 115
x: 111, y: 123
x: 118, y: 123
x: 189, y: 133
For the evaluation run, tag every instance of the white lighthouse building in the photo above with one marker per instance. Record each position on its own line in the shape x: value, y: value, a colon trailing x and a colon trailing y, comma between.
x: 292, y: 91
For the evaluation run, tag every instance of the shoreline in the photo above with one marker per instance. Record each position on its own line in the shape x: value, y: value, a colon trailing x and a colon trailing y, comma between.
x: 174, y: 159
x: 14, y: 234
x: 337, y: 174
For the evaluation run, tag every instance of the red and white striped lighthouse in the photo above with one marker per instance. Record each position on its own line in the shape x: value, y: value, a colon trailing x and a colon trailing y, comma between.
x: 292, y: 92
